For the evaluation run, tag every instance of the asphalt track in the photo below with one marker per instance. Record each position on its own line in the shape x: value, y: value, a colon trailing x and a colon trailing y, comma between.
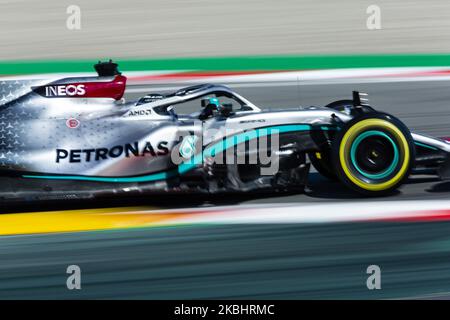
x: 257, y: 261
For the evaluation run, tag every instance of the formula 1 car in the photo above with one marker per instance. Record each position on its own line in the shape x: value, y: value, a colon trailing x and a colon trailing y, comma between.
x: 77, y: 138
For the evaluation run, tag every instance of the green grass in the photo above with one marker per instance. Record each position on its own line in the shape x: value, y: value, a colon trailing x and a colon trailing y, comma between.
x: 245, y: 63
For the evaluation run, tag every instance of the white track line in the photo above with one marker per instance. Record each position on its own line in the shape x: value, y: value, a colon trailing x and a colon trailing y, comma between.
x: 329, y: 212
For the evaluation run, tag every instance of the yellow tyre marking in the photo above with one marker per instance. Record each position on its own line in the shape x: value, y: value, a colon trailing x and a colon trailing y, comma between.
x: 365, y: 125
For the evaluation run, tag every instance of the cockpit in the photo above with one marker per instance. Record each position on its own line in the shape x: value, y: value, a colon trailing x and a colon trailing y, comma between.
x: 200, y: 101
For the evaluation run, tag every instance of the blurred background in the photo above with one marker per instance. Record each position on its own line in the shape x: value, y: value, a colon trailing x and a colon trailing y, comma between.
x: 174, y: 28
x: 268, y: 260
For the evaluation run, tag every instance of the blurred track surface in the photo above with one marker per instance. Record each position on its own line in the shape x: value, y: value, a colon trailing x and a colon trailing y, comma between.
x: 234, y: 261
x: 257, y: 261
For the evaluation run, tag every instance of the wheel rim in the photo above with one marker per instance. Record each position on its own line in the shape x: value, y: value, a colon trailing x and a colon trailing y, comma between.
x: 374, y: 155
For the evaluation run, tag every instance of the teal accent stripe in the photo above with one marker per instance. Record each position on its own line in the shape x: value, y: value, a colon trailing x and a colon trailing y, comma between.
x: 145, y: 178
x: 425, y: 146
x: 328, y: 128
x: 237, y: 139
x: 191, y: 163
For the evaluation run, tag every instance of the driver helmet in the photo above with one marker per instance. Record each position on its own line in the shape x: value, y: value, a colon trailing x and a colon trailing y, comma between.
x: 215, y: 101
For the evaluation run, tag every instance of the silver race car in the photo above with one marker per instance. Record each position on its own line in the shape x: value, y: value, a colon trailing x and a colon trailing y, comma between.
x: 77, y: 138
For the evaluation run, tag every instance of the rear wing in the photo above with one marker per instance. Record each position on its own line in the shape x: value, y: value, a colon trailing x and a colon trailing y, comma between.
x: 109, y: 83
x: 94, y: 87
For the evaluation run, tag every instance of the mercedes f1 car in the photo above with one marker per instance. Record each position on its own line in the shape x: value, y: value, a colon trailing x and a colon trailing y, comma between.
x: 77, y: 138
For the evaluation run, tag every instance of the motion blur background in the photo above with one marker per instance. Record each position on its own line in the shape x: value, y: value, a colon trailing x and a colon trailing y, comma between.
x: 283, y: 260
x: 173, y: 28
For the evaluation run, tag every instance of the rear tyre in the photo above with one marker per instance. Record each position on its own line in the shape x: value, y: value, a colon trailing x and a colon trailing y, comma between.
x: 373, y: 154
